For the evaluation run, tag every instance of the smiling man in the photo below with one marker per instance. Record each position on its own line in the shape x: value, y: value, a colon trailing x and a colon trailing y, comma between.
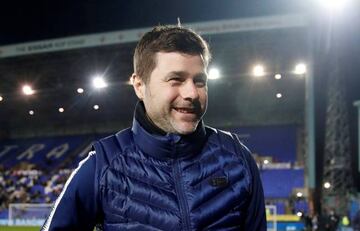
x: 168, y: 171
x: 175, y: 94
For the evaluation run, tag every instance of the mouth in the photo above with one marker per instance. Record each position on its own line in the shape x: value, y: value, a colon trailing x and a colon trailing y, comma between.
x: 185, y: 110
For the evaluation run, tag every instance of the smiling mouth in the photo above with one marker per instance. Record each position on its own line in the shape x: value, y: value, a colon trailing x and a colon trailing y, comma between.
x: 185, y: 110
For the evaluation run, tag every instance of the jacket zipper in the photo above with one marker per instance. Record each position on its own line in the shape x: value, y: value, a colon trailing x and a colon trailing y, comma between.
x: 181, y: 196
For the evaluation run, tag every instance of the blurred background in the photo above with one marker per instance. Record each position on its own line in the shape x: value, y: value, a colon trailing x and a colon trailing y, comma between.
x: 285, y: 76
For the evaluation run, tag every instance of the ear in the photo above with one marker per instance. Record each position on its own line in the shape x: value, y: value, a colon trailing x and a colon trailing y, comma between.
x: 139, y: 86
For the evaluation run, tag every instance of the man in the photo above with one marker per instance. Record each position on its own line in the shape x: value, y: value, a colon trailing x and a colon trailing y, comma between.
x: 168, y: 171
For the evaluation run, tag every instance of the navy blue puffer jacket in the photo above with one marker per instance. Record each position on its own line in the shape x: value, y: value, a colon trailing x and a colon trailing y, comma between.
x: 138, y: 181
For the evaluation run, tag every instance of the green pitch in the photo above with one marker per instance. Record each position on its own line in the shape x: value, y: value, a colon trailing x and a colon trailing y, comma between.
x: 19, y: 228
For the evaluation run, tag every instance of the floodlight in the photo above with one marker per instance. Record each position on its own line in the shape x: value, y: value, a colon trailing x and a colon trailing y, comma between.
x: 278, y: 95
x: 327, y: 185
x: 300, y: 69
x: 277, y: 76
x: 96, y: 107
x: 258, y: 70
x: 214, y: 73
x: 1, y: 98
x: 333, y: 5
x: 99, y: 82
x: 299, y: 194
x: 266, y: 161
x: 299, y: 214
x: 31, y: 112
x: 80, y: 90
x: 27, y: 90
x: 61, y: 110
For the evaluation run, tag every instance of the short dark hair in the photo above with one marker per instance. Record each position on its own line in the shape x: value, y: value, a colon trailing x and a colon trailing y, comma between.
x: 167, y: 39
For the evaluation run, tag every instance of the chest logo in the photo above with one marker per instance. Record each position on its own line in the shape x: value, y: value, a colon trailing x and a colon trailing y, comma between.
x: 220, y: 181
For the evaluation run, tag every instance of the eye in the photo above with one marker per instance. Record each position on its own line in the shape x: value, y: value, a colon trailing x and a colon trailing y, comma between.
x: 175, y: 79
x: 200, y: 81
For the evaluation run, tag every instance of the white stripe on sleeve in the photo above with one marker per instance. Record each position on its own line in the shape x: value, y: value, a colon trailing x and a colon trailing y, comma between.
x: 48, y: 221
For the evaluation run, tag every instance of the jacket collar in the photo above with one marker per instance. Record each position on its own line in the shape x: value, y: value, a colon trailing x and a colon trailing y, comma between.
x: 145, y: 122
x: 169, y: 145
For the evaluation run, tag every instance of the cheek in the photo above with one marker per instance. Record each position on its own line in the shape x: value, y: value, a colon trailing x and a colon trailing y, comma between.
x: 168, y: 95
x: 203, y: 96
x: 162, y: 100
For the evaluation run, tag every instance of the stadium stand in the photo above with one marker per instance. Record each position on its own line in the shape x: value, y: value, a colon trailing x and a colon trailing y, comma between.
x: 277, y: 141
x: 35, y: 170
x: 279, y: 183
x: 29, y: 186
x: 45, y: 153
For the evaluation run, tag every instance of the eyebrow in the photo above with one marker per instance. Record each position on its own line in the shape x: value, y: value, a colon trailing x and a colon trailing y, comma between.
x: 185, y: 73
x: 178, y: 73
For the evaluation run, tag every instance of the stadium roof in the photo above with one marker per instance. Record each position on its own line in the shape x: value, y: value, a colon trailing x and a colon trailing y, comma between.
x: 55, y: 76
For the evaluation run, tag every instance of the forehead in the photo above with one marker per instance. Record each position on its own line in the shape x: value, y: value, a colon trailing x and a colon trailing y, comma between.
x: 176, y: 61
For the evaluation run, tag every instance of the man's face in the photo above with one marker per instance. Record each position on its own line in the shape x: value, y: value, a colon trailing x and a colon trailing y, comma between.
x: 175, y: 96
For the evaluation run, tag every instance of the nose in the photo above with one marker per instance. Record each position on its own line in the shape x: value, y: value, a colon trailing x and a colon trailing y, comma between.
x: 189, y: 91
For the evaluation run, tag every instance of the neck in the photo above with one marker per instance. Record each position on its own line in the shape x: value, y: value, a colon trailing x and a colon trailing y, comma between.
x: 145, y: 121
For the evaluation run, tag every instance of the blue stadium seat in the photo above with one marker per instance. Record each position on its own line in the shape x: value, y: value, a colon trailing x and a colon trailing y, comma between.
x: 4, y: 214
x: 279, y: 183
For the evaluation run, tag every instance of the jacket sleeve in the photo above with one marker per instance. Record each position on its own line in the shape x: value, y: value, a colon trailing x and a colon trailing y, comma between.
x: 255, y: 215
x: 76, y: 207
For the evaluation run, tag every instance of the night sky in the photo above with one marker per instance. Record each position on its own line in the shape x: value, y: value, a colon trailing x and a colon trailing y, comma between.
x: 22, y: 21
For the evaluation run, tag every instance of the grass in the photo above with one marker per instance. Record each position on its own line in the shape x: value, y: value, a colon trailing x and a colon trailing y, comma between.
x: 19, y: 228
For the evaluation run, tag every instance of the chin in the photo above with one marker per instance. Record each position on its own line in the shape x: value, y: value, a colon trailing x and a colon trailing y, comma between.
x: 185, y: 132
x: 186, y: 129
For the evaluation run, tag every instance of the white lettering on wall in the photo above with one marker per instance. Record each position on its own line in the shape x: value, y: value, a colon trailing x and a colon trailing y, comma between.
x: 58, y: 151
x: 7, y: 149
x: 30, y: 152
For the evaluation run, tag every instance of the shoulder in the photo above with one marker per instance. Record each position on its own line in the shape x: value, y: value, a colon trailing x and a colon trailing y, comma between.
x: 109, y: 147
x: 228, y: 140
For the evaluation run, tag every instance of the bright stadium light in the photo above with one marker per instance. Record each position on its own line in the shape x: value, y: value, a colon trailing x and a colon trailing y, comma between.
x: 299, y: 214
x: 96, y: 107
x: 80, y: 90
x: 258, y: 70
x: 277, y: 76
x: 27, y: 90
x: 333, y: 6
x: 278, y: 95
x: 1, y: 98
x: 99, y: 82
x: 266, y: 161
x: 214, y: 73
x: 327, y: 185
x: 31, y: 112
x: 300, y: 69
x: 61, y: 109
x: 299, y: 194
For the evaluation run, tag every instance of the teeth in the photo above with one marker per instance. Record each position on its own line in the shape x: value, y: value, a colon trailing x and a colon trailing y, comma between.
x: 185, y: 110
